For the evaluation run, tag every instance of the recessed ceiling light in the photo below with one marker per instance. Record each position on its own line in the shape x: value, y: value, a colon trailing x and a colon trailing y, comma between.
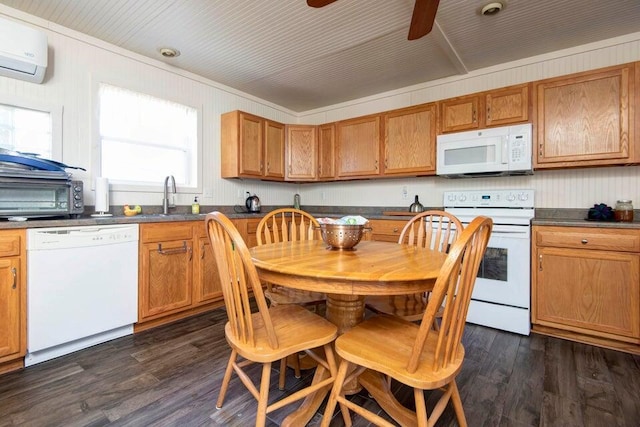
x: 168, y: 52
x: 492, y: 8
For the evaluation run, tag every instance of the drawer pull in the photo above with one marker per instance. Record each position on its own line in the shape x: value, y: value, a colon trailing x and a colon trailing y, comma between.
x: 395, y: 230
x: 540, y: 263
x: 584, y: 241
x: 14, y: 273
x: 181, y: 250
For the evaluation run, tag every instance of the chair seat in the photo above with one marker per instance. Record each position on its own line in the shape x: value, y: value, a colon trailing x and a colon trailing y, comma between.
x: 384, y: 343
x: 278, y: 295
x: 297, y: 329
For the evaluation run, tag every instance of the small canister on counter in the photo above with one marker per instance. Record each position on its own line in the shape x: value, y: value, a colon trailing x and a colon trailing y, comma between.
x: 623, y: 211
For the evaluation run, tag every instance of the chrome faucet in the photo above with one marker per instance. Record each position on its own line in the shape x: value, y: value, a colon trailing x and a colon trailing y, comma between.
x: 169, y: 180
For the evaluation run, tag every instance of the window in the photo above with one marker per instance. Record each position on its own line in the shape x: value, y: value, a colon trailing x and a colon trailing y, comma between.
x: 26, y: 130
x: 143, y: 139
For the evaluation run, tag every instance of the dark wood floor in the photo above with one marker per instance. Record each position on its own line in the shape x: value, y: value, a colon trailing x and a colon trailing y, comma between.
x: 170, y: 376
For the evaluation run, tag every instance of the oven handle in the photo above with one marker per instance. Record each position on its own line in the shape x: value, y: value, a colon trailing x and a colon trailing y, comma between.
x: 520, y: 233
x: 507, y: 233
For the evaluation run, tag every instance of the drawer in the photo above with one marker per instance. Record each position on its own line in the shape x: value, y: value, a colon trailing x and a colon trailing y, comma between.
x: 387, y: 230
x: 622, y: 240
x: 10, y: 243
x: 165, y: 231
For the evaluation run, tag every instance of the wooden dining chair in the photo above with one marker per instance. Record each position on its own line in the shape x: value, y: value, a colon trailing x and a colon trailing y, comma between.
x: 432, y: 229
x: 271, y: 333
x: 289, y: 225
x: 416, y: 354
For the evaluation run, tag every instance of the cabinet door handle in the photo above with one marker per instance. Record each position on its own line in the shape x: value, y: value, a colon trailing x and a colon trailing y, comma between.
x: 488, y: 114
x: 540, y: 263
x: 473, y: 118
x: 174, y: 251
x: 584, y: 241
x: 14, y: 273
x: 202, y: 251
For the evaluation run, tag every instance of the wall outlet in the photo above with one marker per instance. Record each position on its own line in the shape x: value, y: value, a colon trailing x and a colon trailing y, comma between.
x: 323, y: 196
x: 405, y: 193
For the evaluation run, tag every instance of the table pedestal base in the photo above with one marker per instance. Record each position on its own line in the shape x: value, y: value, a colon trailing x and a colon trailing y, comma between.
x: 345, y: 311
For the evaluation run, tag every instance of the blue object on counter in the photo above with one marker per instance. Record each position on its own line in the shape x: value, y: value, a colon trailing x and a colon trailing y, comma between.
x: 600, y: 212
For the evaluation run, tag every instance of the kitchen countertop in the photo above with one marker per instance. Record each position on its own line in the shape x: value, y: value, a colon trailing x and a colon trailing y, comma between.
x: 544, y: 216
x: 577, y: 218
x: 182, y: 213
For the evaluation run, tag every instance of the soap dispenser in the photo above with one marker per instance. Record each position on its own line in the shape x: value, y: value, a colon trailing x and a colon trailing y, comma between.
x: 195, y: 207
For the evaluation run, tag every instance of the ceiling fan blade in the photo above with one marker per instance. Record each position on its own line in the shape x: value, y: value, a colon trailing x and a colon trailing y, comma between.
x: 319, y: 3
x: 424, y: 14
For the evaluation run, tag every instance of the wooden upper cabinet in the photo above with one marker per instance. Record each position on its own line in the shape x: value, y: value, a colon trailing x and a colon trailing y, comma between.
x: 499, y: 107
x: 410, y: 140
x: 358, y: 147
x: 326, y: 151
x: 301, y: 152
x: 459, y: 114
x: 585, y: 119
x: 274, y: 150
x: 507, y: 106
x: 251, y: 147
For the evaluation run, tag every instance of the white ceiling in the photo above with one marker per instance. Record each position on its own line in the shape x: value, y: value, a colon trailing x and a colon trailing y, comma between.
x: 303, y: 58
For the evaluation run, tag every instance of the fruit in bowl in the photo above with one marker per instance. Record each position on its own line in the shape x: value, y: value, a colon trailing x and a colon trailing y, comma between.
x: 132, y: 211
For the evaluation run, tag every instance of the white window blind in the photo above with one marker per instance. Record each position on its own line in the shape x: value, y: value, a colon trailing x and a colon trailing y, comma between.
x: 144, y: 138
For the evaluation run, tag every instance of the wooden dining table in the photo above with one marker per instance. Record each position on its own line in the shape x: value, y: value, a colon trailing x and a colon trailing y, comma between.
x: 346, y: 277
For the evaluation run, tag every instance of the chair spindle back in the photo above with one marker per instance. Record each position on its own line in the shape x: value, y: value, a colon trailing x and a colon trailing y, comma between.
x: 238, y: 276
x: 455, y: 283
x: 287, y: 225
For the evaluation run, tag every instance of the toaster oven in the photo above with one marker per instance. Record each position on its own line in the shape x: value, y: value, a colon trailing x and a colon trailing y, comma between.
x: 36, y: 197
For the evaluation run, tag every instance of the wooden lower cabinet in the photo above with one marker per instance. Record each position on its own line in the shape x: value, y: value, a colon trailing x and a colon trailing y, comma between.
x: 177, y: 273
x: 386, y: 230
x: 586, y: 285
x: 13, y: 300
x: 206, y: 285
x: 247, y: 228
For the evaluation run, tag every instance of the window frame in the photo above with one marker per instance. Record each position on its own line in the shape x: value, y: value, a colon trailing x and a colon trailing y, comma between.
x: 55, y: 112
x: 97, y: 147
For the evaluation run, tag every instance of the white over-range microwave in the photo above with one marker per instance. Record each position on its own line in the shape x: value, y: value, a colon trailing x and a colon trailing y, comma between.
x: 488, y: 152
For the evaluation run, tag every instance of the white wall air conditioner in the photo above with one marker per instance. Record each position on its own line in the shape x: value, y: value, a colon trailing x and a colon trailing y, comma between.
x: 23, y: 52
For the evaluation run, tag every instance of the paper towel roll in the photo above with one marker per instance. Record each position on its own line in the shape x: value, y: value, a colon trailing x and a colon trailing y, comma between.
x: 102, y: 195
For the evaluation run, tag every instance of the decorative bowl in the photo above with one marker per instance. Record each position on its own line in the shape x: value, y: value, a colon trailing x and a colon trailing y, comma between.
x: 342, y: 236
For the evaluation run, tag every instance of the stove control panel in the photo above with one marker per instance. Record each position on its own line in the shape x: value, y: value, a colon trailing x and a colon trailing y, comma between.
x: 523, y: 198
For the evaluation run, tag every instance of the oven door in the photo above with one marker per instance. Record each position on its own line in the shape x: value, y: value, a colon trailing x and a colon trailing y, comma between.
x: 504, y: 274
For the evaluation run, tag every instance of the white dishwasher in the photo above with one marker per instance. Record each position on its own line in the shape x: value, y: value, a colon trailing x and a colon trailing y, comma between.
x: 82, y: 287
